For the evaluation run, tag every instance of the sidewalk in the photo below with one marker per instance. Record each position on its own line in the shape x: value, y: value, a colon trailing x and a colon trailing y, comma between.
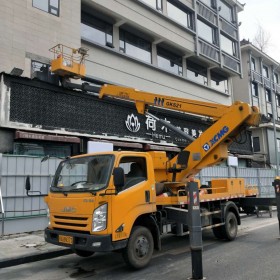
x: 23, y: 248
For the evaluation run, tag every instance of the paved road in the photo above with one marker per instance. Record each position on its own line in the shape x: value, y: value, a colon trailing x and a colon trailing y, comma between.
x: 253, y: 255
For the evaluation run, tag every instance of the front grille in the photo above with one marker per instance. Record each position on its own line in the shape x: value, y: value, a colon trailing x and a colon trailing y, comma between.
x: 69, y: 222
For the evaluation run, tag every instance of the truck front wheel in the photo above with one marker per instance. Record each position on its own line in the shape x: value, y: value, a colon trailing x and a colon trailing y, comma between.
x: 82, y: 253
x: 139, y: 249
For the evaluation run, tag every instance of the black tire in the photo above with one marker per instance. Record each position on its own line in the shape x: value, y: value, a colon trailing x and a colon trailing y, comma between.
x: 218, y: 232
x: 231, y: 227
x: 139, y: 249
x: 82, y: 253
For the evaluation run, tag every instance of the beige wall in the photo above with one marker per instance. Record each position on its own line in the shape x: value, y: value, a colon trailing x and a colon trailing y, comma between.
x: 241, y: 89
x: 144, y: 19
x: 28, y: 33
x: 110, y: 65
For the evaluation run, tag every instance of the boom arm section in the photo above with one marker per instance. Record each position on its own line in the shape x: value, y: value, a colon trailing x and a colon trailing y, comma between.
x: 212, y: 146
x: 142, y: 99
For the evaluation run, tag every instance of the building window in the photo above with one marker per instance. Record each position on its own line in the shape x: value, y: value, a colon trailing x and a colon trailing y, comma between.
x: 42, y: 149
x: 278, y: 100
x: 253, y: 64
x: 49, y: 6
x: 207, y: 32
x: 255, y: 90
x: 276, y: 78
x: 278, y: 144
x: 219, y: 81
x: 228, y: 46
x: 209, y: 3
x: 96, y: 31
x: 256, y: 144
x: 265, y: 71
x: 226, y: 11
x: 268, y: 95
x: 156, y: 4
x: 169, y: 61
x: 197, y: 72
x: 180, y: 14
x: 135, y: 46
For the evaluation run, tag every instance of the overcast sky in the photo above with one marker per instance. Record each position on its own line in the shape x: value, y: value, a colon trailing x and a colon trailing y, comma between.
x: 266, y: 13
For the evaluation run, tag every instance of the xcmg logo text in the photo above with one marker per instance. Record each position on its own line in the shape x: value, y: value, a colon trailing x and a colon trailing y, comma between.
x: 207, y: 146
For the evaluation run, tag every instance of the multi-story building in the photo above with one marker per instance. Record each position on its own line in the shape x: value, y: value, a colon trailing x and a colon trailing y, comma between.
x: 260, y: 86
x: 187, y: 48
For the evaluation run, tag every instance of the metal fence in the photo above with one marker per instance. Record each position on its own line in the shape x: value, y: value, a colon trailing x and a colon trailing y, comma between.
x: 18, y: 206
x: 260, y: 177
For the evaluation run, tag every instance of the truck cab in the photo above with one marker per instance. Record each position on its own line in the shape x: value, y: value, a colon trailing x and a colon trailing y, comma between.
x: 96, y: 199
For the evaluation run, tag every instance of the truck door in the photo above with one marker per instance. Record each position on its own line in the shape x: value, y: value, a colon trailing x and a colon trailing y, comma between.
x: 135, y: 197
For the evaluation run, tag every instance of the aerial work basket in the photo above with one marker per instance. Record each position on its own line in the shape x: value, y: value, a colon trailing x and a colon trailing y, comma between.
x: 68, y: 62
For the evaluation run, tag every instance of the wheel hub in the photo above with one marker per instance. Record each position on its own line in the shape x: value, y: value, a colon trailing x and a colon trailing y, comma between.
x: 142, y: 246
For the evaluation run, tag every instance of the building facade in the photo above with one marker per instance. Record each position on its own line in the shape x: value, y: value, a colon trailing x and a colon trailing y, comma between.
x: 260, y: 87
x: 187, y: 49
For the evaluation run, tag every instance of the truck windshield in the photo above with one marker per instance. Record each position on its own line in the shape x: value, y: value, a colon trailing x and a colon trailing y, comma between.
x: 89, y: 173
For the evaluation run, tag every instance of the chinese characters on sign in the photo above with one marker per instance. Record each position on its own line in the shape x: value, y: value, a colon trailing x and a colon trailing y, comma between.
x: 158, y: 132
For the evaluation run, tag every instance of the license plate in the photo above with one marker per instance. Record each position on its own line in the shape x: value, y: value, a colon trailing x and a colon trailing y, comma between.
x: 65, y: 239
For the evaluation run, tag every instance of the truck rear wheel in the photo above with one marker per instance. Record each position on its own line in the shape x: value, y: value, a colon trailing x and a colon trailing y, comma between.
x: 139, y: 249
x: 230, y: 228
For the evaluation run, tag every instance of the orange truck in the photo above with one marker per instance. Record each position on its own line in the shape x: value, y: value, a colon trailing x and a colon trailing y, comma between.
x: 127, y: 200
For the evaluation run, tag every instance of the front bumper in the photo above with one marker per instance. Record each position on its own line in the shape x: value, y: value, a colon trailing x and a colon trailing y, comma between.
x: 86, y: 242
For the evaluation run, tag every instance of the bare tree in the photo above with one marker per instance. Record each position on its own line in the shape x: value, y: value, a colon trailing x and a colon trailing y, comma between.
x: 261, y: 39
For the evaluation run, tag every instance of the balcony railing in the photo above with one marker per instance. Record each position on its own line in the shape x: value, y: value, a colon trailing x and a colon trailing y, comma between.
x: 256, y: 77
x: 209, y: 51
x: 276, y: 87
x: 231, y: 63
x: 206, y: 13
x: 267, y: 82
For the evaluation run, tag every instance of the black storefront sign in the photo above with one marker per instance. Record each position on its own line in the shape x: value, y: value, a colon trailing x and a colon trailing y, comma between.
x: 50, y: 107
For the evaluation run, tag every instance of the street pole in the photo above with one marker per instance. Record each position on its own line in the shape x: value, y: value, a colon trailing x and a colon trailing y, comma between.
x: 194, y: 223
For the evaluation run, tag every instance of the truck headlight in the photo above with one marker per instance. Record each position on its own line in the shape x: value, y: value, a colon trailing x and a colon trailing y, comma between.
x: 48, y: 216
x: 99, y: 220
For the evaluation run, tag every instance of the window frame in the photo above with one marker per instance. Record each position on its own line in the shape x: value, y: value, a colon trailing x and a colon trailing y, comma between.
x: 256, y: 87
x: 50, y: 7
x: 157, y: 6
x: 253, y: 64
x: 172, y: 58
x: 214, y: 33
x: 184, y: 9
x: 265, y: 71
x: 277, y: 101
x: 276, y: 78
x: 278, y: 144
x: 98, y: 25
x: 123, y: 34
x: 233, y: 45
x: 268, y: 96
x: 256, y: 144
x: 231, y: 20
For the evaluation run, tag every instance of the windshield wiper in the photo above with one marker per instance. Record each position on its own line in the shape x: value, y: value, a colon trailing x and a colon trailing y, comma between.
x: 82, y: 189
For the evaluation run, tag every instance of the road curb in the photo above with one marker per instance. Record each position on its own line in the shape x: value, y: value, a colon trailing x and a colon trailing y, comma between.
x: 34, y: 258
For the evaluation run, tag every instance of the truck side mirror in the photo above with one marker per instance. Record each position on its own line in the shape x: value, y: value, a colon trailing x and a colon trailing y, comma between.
x: 183, y: 158
x: 28, y: 188
x: 118, y: 174
x: 27, y: 184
